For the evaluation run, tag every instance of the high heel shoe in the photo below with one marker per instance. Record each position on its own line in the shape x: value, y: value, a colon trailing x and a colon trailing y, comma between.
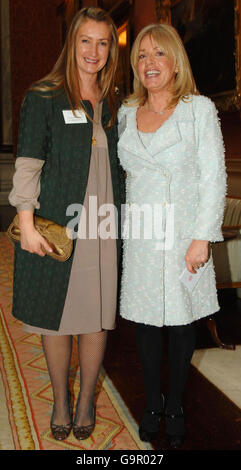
x: 150, y: 424
x: 83, y: 432
x: 61, y: 431
x: 175, y: 429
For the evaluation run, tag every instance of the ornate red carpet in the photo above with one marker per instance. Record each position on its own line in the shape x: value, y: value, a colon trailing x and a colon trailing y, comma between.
x: 26, y: 396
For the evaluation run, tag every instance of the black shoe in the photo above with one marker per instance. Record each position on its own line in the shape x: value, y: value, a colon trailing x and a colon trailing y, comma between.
x: 175, y: 429
x: 83, y: 432
x: 150, y: 424
x: 60, y: 432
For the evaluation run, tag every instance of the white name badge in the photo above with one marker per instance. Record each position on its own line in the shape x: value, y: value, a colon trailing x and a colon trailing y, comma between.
x: 70, y: 118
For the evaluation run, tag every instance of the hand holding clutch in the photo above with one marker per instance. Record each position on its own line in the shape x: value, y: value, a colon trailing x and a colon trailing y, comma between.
x: 56, y: 235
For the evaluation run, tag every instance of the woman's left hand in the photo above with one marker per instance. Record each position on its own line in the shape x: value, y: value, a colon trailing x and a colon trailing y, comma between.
x: 197, y: 255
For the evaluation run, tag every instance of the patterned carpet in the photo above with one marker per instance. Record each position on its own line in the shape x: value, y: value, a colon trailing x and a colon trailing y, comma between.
x: 25, y: 390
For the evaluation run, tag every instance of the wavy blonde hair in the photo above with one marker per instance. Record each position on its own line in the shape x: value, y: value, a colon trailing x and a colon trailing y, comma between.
x: 172, y: 46
x: 64, y: 74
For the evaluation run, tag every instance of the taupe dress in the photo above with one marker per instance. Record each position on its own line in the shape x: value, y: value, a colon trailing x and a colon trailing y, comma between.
x: 90, y: 303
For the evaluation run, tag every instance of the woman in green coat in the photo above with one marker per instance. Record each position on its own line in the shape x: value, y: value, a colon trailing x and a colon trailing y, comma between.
x: 66, y: 159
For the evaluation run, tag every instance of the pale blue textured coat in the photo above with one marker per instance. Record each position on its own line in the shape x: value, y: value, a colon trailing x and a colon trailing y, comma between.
x: 183, y: 167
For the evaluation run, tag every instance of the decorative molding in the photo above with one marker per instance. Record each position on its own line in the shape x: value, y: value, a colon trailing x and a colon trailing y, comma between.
x: 233, y: 166
x: 6, y: 158
x: 163, y: 11
x: 7, y: 168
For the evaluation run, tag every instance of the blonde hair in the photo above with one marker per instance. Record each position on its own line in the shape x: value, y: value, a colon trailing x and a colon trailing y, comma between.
x: 64, y: 74
x: 172, y: 46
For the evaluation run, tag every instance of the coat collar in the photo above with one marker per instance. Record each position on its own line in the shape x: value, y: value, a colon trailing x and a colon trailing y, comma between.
x: 166, y: 136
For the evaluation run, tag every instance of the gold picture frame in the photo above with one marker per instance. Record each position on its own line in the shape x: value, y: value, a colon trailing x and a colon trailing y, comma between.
x: 228, y: 99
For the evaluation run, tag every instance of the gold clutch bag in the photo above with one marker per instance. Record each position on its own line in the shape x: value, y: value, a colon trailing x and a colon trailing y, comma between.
x: 56, y: 236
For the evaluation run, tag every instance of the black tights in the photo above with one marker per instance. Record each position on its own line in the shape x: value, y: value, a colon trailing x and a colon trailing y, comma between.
x: 58, y: 350
x: 181, y: 344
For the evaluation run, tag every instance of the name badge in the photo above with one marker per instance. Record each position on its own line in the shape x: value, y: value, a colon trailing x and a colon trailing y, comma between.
x: 70, y: 118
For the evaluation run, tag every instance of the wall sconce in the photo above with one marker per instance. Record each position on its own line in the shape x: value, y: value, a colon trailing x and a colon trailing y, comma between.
x: 123, y: 38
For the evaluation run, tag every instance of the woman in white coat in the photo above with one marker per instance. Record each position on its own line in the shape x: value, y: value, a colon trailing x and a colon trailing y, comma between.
x: 171, y: 148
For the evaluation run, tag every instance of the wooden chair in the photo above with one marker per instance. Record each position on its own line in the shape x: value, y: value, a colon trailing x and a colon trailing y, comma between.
x: 227, y: 258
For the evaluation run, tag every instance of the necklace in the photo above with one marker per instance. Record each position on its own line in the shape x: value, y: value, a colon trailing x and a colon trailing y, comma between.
x: 97, y: 117
x: 156, y: 112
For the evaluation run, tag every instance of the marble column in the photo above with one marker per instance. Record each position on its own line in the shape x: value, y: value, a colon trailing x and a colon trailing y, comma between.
x: 6, y: 106
x: 6, y: 158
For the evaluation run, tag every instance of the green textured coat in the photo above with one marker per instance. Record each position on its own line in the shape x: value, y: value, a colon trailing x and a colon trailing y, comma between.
x: 40, y: 284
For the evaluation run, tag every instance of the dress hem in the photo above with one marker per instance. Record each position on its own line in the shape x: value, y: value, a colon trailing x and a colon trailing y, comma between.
x: 35, y: 330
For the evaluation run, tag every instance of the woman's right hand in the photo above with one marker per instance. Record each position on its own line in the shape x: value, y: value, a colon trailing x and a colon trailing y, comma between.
x: 31, y: 240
